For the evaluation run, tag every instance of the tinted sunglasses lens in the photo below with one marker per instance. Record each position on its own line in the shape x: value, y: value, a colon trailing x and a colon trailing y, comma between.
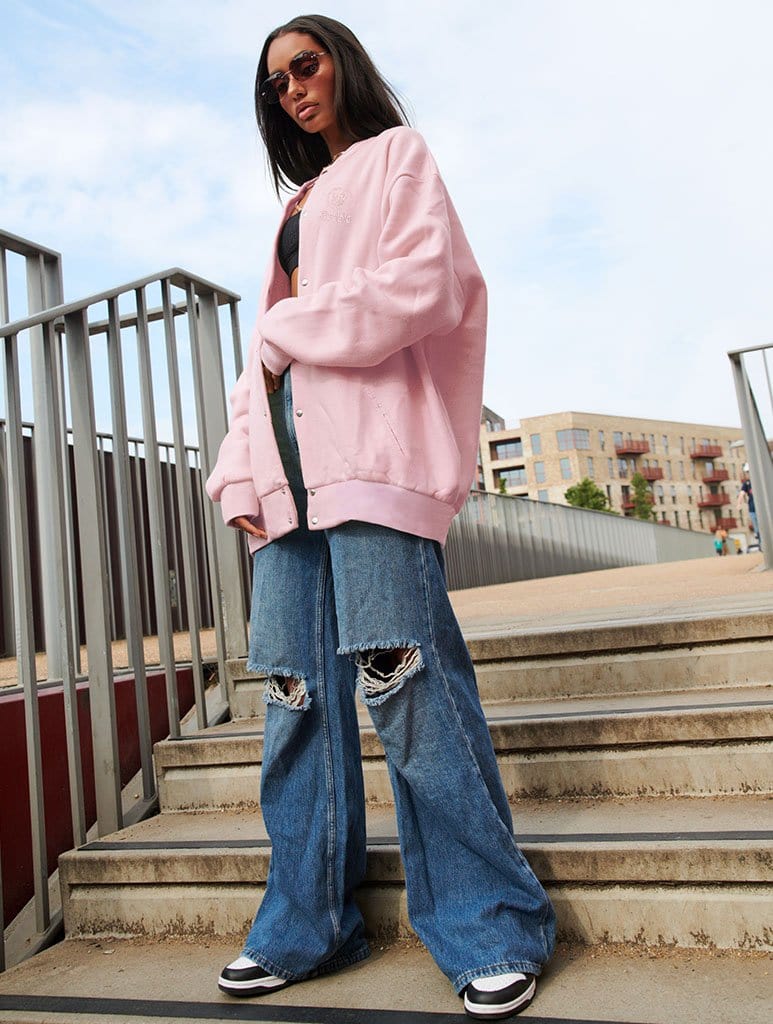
x: 305, y: 65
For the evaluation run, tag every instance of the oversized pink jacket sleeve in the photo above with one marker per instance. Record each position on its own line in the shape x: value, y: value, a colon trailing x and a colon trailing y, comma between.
x: 362, y: 320
x: 236, y: 491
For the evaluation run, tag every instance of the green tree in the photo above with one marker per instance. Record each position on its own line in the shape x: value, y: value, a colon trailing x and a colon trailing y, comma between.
x: 502, y: 485
x: 586, y: 494
x: 642, y: 498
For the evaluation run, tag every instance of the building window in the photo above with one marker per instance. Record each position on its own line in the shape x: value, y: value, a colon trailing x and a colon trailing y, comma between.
x: 622, y: 468
x: 542, y: 496
x: 601, y: 440
x: 590, y: 467
x: 676, y: 518
x: 689, y: 493
x: 665, y: 444
x: 568, y: 440
x: 609, y: 495
x: 673, y: 494
x: 566, y: 469
x: 539, y: 472
x: 536, y: 444
x: 663, y: 517
x: 661, y: 494
x: 689, y: 519
x: 513, y: 477
x: 618, y: 437
x: 611, y: 468
x: 681, y: 471
x: 681, y: 446
x: 652, y: 442
x: 669, y: 473
x: 508, y: 450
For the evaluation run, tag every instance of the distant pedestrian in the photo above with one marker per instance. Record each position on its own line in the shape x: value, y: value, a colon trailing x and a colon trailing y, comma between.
x: 718, y: 543
x: 746, y: 494
x: 722, y: 536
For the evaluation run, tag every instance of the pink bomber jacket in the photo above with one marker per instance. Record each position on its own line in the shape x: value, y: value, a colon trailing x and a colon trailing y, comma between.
x: 385, y: 344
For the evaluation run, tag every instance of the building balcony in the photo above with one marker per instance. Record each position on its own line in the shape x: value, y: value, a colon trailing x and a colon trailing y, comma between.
x: 628, y: 503
x: 632, y: 448
x: 727, y: 523
x: 717, y: 477
x: 714, y: 501
x: 652, y: 473
x: 706, y: 451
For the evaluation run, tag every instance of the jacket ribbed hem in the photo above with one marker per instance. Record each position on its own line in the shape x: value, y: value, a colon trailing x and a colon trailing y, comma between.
x: 383, y: 504
x: 365, y: 501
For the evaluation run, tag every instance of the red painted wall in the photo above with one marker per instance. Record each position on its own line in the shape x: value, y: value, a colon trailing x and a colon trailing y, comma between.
x: 15, y: 829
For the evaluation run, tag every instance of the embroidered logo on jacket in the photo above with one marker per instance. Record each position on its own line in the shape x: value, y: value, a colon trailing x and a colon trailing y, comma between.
x: 335, y: 211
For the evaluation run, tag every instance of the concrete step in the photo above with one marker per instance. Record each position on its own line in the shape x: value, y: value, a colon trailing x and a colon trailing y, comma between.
x: 680, y: 871
x: 637, y: 745
x: 83, y: 981
x: 656, y: 654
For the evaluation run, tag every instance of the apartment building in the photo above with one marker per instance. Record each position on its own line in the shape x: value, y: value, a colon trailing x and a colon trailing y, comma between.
x: 693, y: 469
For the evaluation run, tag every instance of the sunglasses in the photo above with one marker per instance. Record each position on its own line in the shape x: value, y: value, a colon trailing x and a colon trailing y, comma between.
x: 304, y: 66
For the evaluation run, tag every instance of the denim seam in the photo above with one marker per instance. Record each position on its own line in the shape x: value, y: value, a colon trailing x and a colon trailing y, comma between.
x: 513, y: 845
x: 461, y: 981
x: 330, y: 853
x: 457, y: 715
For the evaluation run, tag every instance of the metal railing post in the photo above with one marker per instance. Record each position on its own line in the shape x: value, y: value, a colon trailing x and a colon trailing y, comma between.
x: 38, y: 299
x: 128, y: 547
x: 107, y: 776
x: 185, y: 505
x: 25, y: 643
x: 213, y: 423
x: 158, y: 543
x: 59, y: 570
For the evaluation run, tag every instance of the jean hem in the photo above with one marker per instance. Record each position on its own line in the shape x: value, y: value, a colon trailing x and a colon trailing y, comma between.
x: 337, y: 963
x: 461, y: 981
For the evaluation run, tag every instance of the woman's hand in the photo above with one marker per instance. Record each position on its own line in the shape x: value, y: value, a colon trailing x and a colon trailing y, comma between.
x: 243, y: 523
x: 271, y: 379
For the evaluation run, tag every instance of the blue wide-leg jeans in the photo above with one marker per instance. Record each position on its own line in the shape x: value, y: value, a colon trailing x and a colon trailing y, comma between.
x: 322, y: 601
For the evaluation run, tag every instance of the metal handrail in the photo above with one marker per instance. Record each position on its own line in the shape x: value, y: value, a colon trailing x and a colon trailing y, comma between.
x: 49, y: 333
x: 757, y: 445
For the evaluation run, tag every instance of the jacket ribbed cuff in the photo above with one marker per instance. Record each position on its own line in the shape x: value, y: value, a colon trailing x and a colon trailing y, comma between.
x: 239, y: 500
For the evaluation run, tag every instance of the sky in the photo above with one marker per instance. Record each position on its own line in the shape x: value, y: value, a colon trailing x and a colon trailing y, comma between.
x: 611, y: 161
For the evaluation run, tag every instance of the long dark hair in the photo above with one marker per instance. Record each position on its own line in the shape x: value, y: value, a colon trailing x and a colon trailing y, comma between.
x: 365, y: 104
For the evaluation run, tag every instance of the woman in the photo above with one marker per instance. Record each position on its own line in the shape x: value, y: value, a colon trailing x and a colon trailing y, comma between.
x: 352, y: 446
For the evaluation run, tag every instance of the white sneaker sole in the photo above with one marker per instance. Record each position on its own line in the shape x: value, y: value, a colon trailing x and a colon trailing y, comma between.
x: 257, y: 988
x: 494, y: 1010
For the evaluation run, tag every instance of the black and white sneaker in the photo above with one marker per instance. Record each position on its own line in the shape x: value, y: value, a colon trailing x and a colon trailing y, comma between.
x: 244, y: 977
x: 500, y: 996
